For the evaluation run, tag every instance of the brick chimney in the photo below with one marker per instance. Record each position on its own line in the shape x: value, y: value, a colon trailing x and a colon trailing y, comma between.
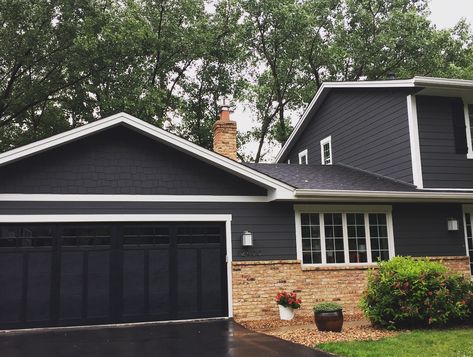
x: 225, y: 131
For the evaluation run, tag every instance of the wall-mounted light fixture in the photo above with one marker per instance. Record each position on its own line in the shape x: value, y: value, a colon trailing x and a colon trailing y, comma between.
x: 247, y: 239
x: 452, y: 224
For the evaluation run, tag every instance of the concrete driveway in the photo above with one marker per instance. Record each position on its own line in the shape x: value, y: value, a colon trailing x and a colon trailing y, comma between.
x: 210, y: 339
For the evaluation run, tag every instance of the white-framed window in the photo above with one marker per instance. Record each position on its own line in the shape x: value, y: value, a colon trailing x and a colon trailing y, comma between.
x: 469, y: 129
x: 343, y: 235
x: 303, y: 157
x: 326, y: 151
x: 288, y: 161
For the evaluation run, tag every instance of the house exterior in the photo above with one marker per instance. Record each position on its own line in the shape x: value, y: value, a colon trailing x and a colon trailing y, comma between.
x: 119, y: 221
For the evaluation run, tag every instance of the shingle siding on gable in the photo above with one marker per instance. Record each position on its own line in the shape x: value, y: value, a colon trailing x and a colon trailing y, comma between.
x: 369, y: 129
x: 120, y: 161
x: 442, y: 167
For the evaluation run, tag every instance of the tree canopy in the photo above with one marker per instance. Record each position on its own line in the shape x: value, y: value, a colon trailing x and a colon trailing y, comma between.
x: 171, y: 62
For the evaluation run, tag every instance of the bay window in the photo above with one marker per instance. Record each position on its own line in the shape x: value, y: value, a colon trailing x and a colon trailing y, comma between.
x: 343, y: 234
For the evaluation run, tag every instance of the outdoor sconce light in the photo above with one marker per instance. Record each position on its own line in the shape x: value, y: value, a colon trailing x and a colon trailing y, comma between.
x: 452, y: 224
x: 247, y: 239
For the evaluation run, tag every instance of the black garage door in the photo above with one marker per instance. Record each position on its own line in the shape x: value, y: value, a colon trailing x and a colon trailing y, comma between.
x: 75, y: 274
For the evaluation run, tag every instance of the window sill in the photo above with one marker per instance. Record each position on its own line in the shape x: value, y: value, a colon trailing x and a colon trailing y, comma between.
x: 339, y: 267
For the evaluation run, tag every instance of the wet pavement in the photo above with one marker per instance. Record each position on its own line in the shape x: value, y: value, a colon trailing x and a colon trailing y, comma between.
x: 210, y: 339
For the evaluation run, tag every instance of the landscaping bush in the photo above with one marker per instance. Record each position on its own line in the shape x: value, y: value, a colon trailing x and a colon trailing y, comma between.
x: 407, y: 292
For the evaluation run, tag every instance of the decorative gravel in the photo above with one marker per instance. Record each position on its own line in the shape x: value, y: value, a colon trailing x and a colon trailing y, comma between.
x: 302, y: 330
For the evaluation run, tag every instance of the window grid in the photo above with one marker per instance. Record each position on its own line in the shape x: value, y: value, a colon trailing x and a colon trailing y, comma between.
x: 356, y: 235
x: 340, y: 238
x: 379, y: 236
x: 326, y: 151
x: 334, y: 238
x: 311, y: 240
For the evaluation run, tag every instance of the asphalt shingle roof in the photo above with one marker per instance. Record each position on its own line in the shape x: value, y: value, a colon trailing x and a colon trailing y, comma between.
x: 330, y: 177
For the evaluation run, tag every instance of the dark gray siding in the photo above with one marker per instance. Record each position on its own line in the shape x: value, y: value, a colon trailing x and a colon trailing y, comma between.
x: 369, y: 130
x: 421, y: 230
x: 442, y: 167
x: 272, y: 224
x: 120, y: 161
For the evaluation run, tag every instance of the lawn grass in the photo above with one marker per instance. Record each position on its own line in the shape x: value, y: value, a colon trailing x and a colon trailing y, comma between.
x: 431, y: 343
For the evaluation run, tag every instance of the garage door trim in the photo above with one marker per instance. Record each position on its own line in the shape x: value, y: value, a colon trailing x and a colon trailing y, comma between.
x: 83, y: 218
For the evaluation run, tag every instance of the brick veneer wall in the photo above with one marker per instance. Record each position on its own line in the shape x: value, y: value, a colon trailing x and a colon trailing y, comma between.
x: 255, y: 285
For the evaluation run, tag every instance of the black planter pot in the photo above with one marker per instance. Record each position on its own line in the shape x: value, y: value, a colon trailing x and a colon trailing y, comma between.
x: 329, y: 321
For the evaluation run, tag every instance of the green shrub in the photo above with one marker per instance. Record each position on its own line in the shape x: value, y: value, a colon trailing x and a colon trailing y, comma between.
x: 407, y: 292
x: 327, y: 307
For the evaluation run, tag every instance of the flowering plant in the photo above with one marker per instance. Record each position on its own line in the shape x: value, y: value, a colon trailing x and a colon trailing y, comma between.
x: 288, y: 300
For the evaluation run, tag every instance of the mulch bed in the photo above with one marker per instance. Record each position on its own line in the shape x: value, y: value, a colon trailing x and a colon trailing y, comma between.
x: 302, y: 330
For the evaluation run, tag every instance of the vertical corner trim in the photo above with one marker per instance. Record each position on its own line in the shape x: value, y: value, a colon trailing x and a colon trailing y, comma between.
x: 414, y: 141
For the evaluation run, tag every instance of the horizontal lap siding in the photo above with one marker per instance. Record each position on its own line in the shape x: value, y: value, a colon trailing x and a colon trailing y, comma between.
x: 272, y: 224
x: 369, y: 130
x: 421, y: 230
x: 120, y: 161
x: 442, y: 167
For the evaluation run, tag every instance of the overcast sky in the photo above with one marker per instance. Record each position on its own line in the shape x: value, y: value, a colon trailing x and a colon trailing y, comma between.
x: 444, y: 14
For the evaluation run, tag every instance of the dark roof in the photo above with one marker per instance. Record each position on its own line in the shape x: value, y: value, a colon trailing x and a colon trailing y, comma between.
x: 330, y: 177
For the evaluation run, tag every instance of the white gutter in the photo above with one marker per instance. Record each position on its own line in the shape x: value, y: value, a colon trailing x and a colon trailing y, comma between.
x: 335, y: 195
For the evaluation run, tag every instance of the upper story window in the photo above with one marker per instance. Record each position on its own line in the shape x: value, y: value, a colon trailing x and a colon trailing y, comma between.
x: 326, y: 151
x: 343, y: 235
x: 303, y: 157
x: 469, y: 129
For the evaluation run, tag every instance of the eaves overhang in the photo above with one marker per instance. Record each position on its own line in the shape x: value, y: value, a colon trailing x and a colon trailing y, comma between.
x: 385, y: 196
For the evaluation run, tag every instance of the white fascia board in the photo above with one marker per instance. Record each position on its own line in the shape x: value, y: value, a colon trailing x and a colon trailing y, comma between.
x: 38, y: 218
x: 420, y: 81
x: 126, y: 198
x: 155, y: 133
x: 334, y: 195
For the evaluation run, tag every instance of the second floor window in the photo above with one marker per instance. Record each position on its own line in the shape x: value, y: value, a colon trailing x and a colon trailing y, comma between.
x: 326, y: 151
x: 303, y: 157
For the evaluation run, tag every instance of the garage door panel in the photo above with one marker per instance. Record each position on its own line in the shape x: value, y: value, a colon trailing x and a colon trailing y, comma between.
x: 212, y: 294
x: 39, y: 287
x: 133, y: 283
x: 11, y: 278
x: 71, y: 285
x: 98, y: 284
x: 75, y: 274
x: 159, y: 281
x: 187, y: 280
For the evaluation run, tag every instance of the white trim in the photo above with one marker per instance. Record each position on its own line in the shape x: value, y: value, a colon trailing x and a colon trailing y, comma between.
x: 128, y: 198
x: 335, y: 195
x: 327, y: 140
x: 418, y: 81
x: 466, y: 209
x: 304, y: 154
x: 448, y: 189
x: 229, y: 258
x: 43, y: 218
x: 154, y: 133
x: 468, y: 124
x: 54, y: 218
x: 416, y: 161
x: 343, y: 209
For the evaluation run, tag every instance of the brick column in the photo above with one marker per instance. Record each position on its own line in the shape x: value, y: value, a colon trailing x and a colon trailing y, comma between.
x: 224, y: 135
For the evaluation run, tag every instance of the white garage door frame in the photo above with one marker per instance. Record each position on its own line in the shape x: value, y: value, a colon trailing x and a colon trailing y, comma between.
x: 90, y: 218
